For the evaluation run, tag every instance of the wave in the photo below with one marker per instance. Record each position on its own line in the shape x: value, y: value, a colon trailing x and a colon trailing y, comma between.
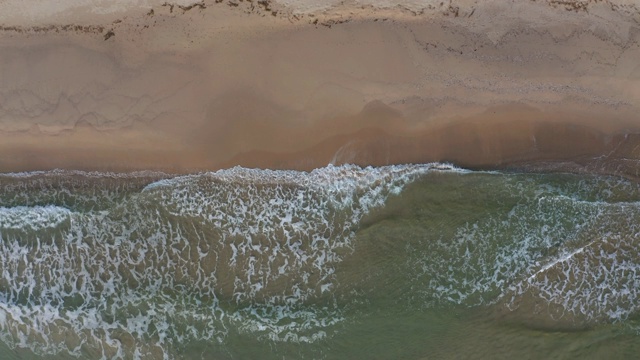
x: 32, y: 218
x: 563, y: 253
x: 187, y: 259
x: 146, y: 267
x: 85, y: 174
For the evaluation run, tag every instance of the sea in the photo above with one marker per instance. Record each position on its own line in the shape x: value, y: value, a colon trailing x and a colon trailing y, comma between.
x: 419, y: 261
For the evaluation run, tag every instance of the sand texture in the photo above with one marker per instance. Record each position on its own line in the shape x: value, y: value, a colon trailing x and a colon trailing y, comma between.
x: 191, y: 86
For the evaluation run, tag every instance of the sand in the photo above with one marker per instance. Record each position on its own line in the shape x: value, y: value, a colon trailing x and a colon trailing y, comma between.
x: 193, y: 86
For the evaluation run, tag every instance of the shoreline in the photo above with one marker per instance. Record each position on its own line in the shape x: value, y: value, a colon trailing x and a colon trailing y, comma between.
x: 200, y: 86
x: 489, y: 141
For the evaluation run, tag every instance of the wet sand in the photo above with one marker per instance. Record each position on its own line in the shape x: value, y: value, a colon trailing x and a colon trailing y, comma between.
x: 200, y: 86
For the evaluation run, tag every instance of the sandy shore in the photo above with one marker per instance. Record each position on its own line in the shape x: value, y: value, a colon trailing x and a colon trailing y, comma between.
x: 191, y: 86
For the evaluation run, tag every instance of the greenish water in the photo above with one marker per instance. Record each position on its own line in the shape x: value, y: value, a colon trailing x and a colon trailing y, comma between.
x: 412, y: 262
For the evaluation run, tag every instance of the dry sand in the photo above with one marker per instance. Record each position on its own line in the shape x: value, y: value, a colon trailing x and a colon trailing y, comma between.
x: 184, y: 86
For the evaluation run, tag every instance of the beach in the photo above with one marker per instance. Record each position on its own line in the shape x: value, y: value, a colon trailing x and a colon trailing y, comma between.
x: 256, y: 179
x: 200, y: 86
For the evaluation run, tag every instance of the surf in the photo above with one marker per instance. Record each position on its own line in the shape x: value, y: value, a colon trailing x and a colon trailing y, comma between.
x: 158, y: 266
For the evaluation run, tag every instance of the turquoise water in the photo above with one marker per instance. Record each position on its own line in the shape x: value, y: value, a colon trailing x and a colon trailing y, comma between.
x: 410, y: 261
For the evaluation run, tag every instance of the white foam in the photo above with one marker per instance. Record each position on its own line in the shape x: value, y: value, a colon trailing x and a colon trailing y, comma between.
x: 87, y: 174
x: 32, y: 218
x: 156, y: 259
x: 554, y: 247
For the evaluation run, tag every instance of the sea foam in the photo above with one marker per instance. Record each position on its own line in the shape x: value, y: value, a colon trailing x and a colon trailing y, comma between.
x: 564, y: 252
x: 187, y: 259
x: 32, y: 218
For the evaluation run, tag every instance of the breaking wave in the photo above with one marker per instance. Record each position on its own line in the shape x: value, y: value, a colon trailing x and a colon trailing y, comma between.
x: 148, y: 266
x: 140, y: 270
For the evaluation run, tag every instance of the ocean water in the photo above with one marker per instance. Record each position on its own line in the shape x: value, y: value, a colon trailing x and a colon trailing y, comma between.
x: 401, y: 262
